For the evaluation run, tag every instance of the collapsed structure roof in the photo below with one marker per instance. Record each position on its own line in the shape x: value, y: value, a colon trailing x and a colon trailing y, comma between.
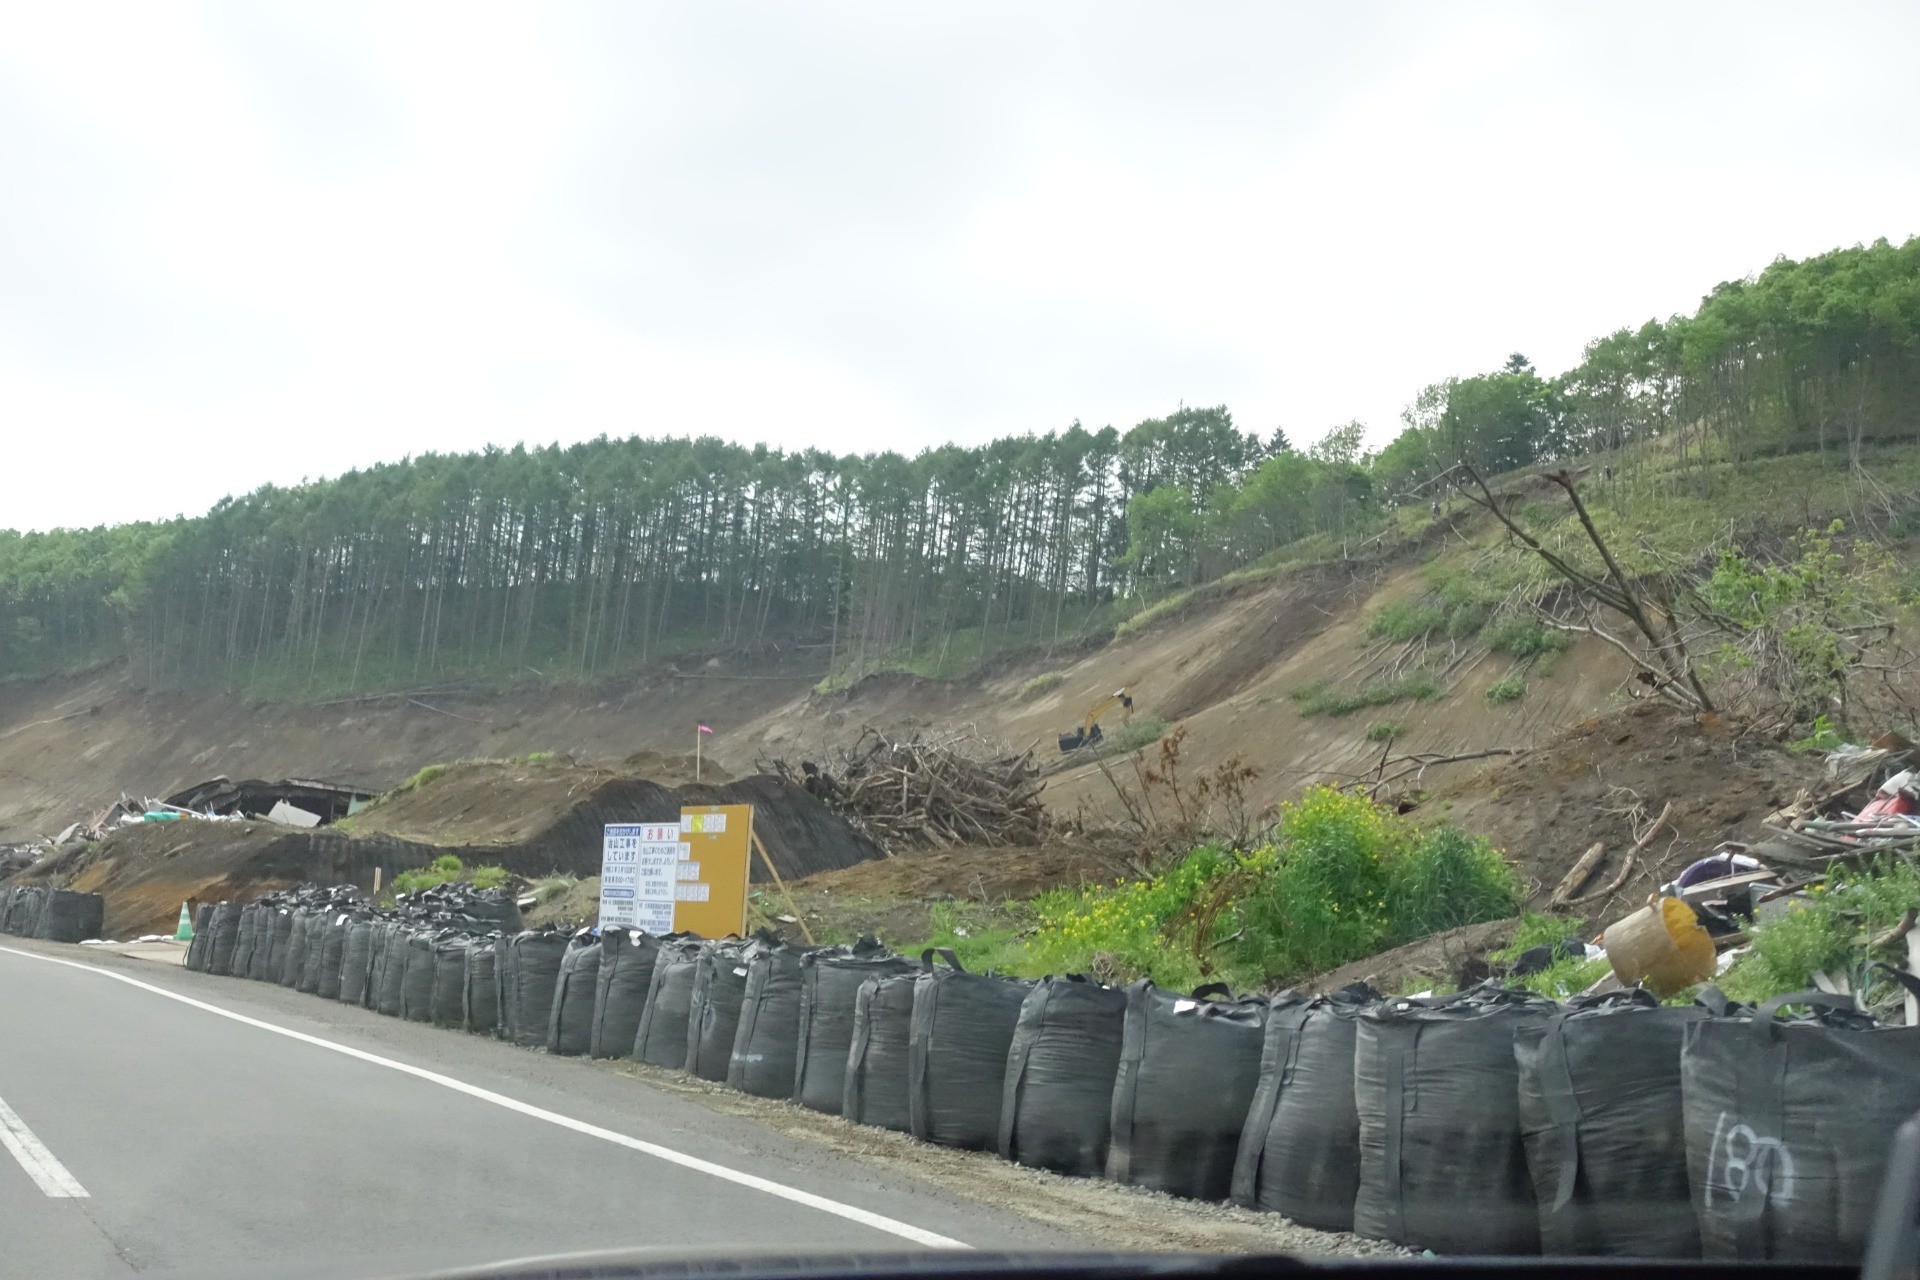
x: 255, y: 797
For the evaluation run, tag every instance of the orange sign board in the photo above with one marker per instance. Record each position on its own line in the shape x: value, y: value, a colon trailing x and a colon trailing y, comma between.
x: 710, y: 889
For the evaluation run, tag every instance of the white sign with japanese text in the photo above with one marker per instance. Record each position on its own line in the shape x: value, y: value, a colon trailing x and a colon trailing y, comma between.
x: 637, y: 875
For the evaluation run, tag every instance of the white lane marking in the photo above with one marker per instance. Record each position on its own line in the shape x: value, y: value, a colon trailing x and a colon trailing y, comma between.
x: 47, y: 1173
x: 865, y: 1217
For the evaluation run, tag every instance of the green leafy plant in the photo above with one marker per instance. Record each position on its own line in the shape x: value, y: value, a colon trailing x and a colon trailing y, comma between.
x: 1829, y: 932
x: 1509, y: 688
x: 1340, y: 879
x: 1405, y: 620
x: 1798, y: 630
x: 1823, y: 737
x: 448, y: 869
x: 1321, y: 698
x: 1042, y: 683
x: 1385, y: 731
x: 1520, y: 636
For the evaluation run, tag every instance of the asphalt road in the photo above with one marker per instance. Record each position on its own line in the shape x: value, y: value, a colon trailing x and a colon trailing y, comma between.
x: 161, y: 1122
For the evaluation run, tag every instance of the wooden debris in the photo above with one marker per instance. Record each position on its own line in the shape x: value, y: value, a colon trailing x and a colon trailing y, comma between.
x: 1578, y: 876
x: 1610, y: 888
x: 926, y: 792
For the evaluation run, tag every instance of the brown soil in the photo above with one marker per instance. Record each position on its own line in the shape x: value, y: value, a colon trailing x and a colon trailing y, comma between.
x: 1438, y: 960
x: 145, y: 872
x: 545, y: 817
x: 893, y: 899
x: 1545, y: 808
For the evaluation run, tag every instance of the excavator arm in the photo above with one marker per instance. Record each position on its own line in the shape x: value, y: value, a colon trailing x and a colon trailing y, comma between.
x: 1089, y: 731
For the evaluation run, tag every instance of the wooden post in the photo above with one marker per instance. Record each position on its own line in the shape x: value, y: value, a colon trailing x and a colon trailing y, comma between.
x: 781, y: 885
x: 696, y: 753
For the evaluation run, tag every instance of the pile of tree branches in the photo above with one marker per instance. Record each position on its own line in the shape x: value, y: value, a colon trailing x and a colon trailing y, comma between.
x: 929, y: 792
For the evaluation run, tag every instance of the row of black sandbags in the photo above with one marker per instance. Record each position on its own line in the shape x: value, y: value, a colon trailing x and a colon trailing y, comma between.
x: 408, y: 960
x: 1495, y: 1121
x: 1491, y: 1121
x: 58, y: 915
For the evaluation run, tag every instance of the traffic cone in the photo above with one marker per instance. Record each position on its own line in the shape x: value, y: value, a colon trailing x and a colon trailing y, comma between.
x: 185, y: 932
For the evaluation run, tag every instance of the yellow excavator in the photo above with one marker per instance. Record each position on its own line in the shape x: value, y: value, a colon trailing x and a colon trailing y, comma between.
x: 1089, y: 731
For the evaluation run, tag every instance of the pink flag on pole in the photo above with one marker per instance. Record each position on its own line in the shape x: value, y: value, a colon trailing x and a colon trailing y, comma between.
x: 703, y: 728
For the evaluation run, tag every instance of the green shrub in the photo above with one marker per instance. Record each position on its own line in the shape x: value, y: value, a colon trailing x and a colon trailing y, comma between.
x: 1510, y: 688
x: 1322, y: 699
x: 1537, y: 930
x: 983, y: 937
x: 1827, y: 932
x: 553, y: 888
x: 1341, y: 879
x: 1041, y: 684
x: 1465, y: 621
x: 448, y: 869
x: 1405, y: 620
x: 1385, y: 731
x: 1519, y: 636
x: 422, y: 778
x: 542, y: 757
x: 1446, y: 880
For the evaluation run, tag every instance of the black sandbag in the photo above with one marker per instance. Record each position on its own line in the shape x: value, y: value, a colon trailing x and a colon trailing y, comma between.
x: 376, y: 963
x: 1057, y: 1106
x: 535, y: 976
x: 1442, y: 1163
x: 1300, y: 1150
x: 66, y: 915
x: 1168, y: 1135
x: 447, y: 1003
x: 504, y: 987
x: 1601, y: 1117
x: 963, y: 1026
x: 333, y: 950
x: 294, y: 968
x: 246, y: 936
x: 570, y: 1020
x: 33, y: 917
x: 661, y: 1039
x: 416, y: 988
x: 1789, y: 1122
x: 480, y: 994
x: 279, y: 945
x: 196, y: 958
x: 713, y: 1009
x: 314, y: 953
x: 356, y: 961
x: 262, y: 949
x: 876, y: 1087
x: 226, y: 935
x: 389, y: 999
x: 765, y: 1043
x: 829, y: 986
x: 620, y: 990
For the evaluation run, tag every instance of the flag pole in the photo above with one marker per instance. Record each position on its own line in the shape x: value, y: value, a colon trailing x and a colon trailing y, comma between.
x: 696, y: 753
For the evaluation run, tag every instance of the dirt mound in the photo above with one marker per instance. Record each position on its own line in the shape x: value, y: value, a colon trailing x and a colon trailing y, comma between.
x: 894, y: 898
x: 536, y: 817
x: 1439, y: 959
x: 145, y: 872
x: 675, y: 770
x: 1606, y: 778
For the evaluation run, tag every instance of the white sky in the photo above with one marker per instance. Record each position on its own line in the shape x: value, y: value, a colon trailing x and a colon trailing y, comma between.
x: 245, y: 243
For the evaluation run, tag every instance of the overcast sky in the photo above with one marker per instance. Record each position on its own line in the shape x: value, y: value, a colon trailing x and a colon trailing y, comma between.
x: 248, y: 243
